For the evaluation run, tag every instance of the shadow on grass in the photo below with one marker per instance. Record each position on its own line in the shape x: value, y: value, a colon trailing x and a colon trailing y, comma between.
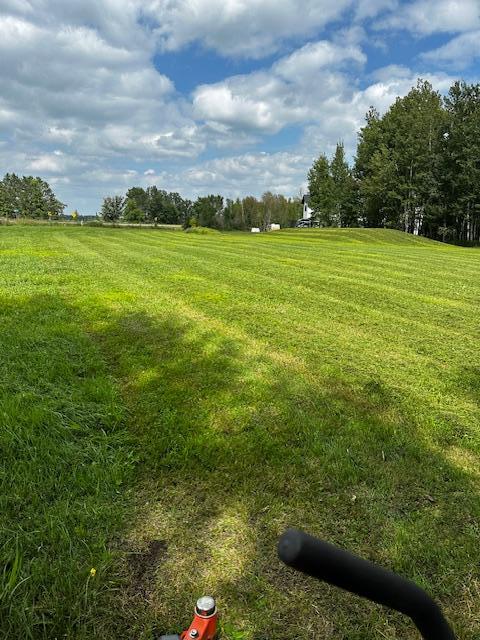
x: 235, y: 445
x: 232, y: 443
x: 65, y: 457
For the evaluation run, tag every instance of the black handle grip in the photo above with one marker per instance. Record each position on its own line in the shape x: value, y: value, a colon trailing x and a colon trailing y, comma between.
x: 342, y: 569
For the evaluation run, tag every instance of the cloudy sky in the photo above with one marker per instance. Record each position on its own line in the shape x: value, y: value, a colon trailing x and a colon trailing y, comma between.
x: 201, y: 96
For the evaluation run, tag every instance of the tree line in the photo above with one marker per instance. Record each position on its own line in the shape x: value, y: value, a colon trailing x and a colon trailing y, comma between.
x: 32, y: 197
x: 28, y: 197
x: 416, y: 168
x: 153, y: 205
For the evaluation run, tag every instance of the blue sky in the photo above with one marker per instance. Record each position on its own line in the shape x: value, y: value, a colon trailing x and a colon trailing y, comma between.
x: 199, y: 96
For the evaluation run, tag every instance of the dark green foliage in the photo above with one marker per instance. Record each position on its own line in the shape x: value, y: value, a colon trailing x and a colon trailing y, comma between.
x: 156, y: 205
x: 369, y: 142
x: 344, y: 192
x: 405, y: 165
x: 160, y: 208
x: 208, y: 210
x: 132, y: 212
x: 246, y: 213
x: 28, y: 197
x: 461, y: 163
x: 333, y: 191
x: 417, y: 166
x: 138, y: 196
x: 112, y: 208
x: 183, y: 207
x: 321, y: 186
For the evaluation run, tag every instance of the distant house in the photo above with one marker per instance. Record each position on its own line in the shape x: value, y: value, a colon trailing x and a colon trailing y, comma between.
x: 307, y: 212
x: 307, y: 219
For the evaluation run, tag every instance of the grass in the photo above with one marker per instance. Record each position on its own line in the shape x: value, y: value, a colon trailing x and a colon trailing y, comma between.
x: 170, y: 402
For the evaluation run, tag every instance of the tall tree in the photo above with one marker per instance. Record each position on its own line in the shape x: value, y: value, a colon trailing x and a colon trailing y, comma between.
x: 132, y: 212
x: 370, y: 138
x: 398, y: 161
x: 183, y: 207
x: 139, y: 197
x: 28, y: 197
x: 344, y: 204
x: 378, y: 190
x: 321, y: 188
x: 208, y: 211
x: 461, y: 166
x: 112, y: 208
x: 413, y: 128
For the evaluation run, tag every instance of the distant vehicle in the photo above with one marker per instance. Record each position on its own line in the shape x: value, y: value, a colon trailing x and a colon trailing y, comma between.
x: 307, y: 220
x: 307, y: 223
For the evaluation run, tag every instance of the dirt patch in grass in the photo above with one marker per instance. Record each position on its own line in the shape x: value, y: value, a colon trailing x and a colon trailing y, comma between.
x: 143, y: 566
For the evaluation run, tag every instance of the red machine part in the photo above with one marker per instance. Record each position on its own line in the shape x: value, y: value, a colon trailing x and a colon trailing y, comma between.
x: 204, y: 623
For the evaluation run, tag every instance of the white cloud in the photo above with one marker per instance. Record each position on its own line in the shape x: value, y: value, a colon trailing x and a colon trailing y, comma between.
x: 395, y: 81
x: 343, y: 120
x: 459, y: 53
x: 52, y: 164
x: 45, y: 164
x: 371, y: 8
x: 241, y: 27
x: 432, y: 16
x: 249, y: 173
x: 293, y: 90
x: 7, y: 117
x: 316, y: 86
x: 67, y: 83
x: 83, y: 105
x: 58, y: 134
x: 310, y: 59
x: 395, y: 71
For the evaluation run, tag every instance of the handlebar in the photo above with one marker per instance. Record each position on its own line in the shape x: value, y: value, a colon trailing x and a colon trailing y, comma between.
x: 340, y: 568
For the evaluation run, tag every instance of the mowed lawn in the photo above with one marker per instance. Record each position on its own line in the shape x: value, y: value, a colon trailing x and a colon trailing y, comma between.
x: 171, y: 402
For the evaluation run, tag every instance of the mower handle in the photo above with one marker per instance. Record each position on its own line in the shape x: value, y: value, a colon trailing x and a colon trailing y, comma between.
x: 342, y: 569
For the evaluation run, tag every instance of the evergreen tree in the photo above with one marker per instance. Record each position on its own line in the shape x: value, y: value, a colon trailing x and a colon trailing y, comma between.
x: 370, y: 139
x: 378, y: 190
x: 344, y: 192
x: 321, y: 188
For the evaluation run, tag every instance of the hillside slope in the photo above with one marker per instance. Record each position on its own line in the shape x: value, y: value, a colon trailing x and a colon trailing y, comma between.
x: 361, y: 236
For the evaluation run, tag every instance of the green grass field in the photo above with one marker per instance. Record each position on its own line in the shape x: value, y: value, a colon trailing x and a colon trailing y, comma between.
x: 170, y: 402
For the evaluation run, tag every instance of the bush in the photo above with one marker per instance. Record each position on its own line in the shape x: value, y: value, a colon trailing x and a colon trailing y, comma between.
x: 93, y: 223
x: 201, y: 230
